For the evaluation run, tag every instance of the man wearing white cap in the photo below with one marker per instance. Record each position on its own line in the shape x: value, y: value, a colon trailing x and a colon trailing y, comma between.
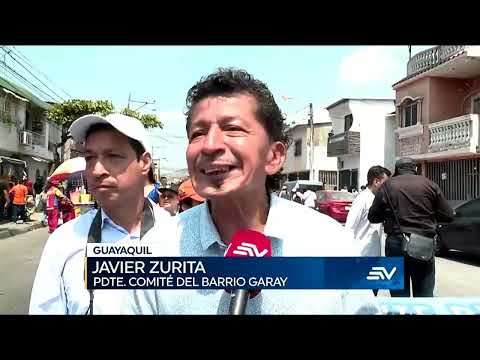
x: 117, y: 166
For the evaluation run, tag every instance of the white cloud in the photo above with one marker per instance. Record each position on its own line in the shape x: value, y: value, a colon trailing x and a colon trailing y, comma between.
x: 370, y: 65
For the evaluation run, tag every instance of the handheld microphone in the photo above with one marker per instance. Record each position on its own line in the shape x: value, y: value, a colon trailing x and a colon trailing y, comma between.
x: 246, y: 243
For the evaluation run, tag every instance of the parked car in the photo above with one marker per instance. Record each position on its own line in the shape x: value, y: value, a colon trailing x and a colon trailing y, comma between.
x: 463, y: 233
x: 335, y: 204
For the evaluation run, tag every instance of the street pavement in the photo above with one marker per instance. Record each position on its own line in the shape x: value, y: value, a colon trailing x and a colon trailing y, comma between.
x: 20, y: 256
x: 457, y: 274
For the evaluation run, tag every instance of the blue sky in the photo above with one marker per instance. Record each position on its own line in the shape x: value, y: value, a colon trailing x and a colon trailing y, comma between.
x: 318, y: 74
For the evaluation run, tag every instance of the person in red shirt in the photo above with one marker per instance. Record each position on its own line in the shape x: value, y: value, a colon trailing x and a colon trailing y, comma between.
x: 54, y: 196
x: 28, y: 183
x: 20, y: 193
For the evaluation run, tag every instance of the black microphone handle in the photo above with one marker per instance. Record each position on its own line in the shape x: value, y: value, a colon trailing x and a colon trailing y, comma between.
x: 238, y: 302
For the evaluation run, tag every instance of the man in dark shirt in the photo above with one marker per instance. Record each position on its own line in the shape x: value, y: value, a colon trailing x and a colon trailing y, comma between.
x: 420, y: 205
x: 38, y: 186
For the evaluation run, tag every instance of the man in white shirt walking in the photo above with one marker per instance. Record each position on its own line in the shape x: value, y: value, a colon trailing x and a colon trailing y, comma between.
x: 367, y: 235
x: 309, y: 198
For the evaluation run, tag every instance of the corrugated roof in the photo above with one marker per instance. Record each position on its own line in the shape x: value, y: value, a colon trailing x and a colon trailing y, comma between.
x: 24, y: 93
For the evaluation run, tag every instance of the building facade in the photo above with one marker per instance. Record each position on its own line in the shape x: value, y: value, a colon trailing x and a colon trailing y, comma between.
x: 28, y: 138
x: 362, y: 136
x: 297, y: 164
x: 437, y: 118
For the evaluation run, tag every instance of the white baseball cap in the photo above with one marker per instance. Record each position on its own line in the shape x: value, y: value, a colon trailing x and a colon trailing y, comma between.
x: 127, y: 125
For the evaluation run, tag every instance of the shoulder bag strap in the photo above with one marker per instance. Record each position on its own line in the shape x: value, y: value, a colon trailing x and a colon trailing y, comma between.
x: 95, y: 236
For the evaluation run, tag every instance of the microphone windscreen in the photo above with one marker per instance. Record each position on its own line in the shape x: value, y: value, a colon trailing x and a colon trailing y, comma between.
x: 249, y: 243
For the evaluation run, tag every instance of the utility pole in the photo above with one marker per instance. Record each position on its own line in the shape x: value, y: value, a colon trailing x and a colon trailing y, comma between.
x: 409, y: 52
x: 312, y: 147
x: 143, y: 102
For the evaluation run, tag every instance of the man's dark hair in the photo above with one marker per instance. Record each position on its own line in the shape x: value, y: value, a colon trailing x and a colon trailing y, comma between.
x: 229, y: 82
x: 136, y: 145
x: 376, y: 172
x: 405, y: 165
x: 363, y: 187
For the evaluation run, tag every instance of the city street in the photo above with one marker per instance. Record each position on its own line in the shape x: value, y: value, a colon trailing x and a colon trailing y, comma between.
x: 457, y: 274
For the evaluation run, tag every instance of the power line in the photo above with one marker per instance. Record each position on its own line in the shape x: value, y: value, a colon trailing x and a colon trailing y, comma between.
x: 29, y: 63
x: 9, y: 52
x: 18, y: 62
x: 13, y: 74
x: 32, y: 87
x: 177, y: 138
x: 26, y: 82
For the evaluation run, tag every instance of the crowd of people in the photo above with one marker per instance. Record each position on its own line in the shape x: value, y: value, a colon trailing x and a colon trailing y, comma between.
x: 173, y: 198
x: 237, y: 144
x: 17, y: 198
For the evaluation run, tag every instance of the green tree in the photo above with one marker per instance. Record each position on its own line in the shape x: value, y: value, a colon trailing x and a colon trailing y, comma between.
x: 148, y: 120
x: 64, y: 114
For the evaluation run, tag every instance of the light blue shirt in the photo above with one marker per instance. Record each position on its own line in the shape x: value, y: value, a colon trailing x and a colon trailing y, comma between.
x: 293, y: 229
x: 59, y: 286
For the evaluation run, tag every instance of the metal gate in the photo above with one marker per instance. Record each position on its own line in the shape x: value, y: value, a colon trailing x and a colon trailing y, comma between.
x: 348, y: 178
x: 328, y: 178
x: 458, y: 179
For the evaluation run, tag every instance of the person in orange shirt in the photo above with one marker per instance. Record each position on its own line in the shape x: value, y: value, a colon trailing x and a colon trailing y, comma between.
x: 20, y: 193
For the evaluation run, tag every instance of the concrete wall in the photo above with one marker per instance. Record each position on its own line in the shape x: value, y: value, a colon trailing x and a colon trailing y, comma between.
x: 9, y: 137
x: 446, y: 96
x: 320, y: 158
x: 296, y: 163
x: 337, y: 114
x: 370, y: 118
x: 474, y: 91
x: 389, y: 150
x: 377, y: 141
x: 302, y: 163
x: 349, y: 162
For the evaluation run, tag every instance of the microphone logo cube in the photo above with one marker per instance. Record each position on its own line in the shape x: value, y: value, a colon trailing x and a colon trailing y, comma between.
x: 249, y: 243
x: 248, y: 249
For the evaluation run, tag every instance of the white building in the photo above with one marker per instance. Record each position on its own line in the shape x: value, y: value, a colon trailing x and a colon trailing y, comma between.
x: 27, y: 138
x: 362, y: 137
x: 297, y: 162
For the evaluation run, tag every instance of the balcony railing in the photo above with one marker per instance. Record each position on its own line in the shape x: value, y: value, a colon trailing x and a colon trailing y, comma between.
x: 458, y: 133
x: 346, y: 143
x: 27, y: 137
x: 430, y: 58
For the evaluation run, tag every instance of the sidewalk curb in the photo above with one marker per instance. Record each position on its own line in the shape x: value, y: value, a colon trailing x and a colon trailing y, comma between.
x: 6, y: 233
